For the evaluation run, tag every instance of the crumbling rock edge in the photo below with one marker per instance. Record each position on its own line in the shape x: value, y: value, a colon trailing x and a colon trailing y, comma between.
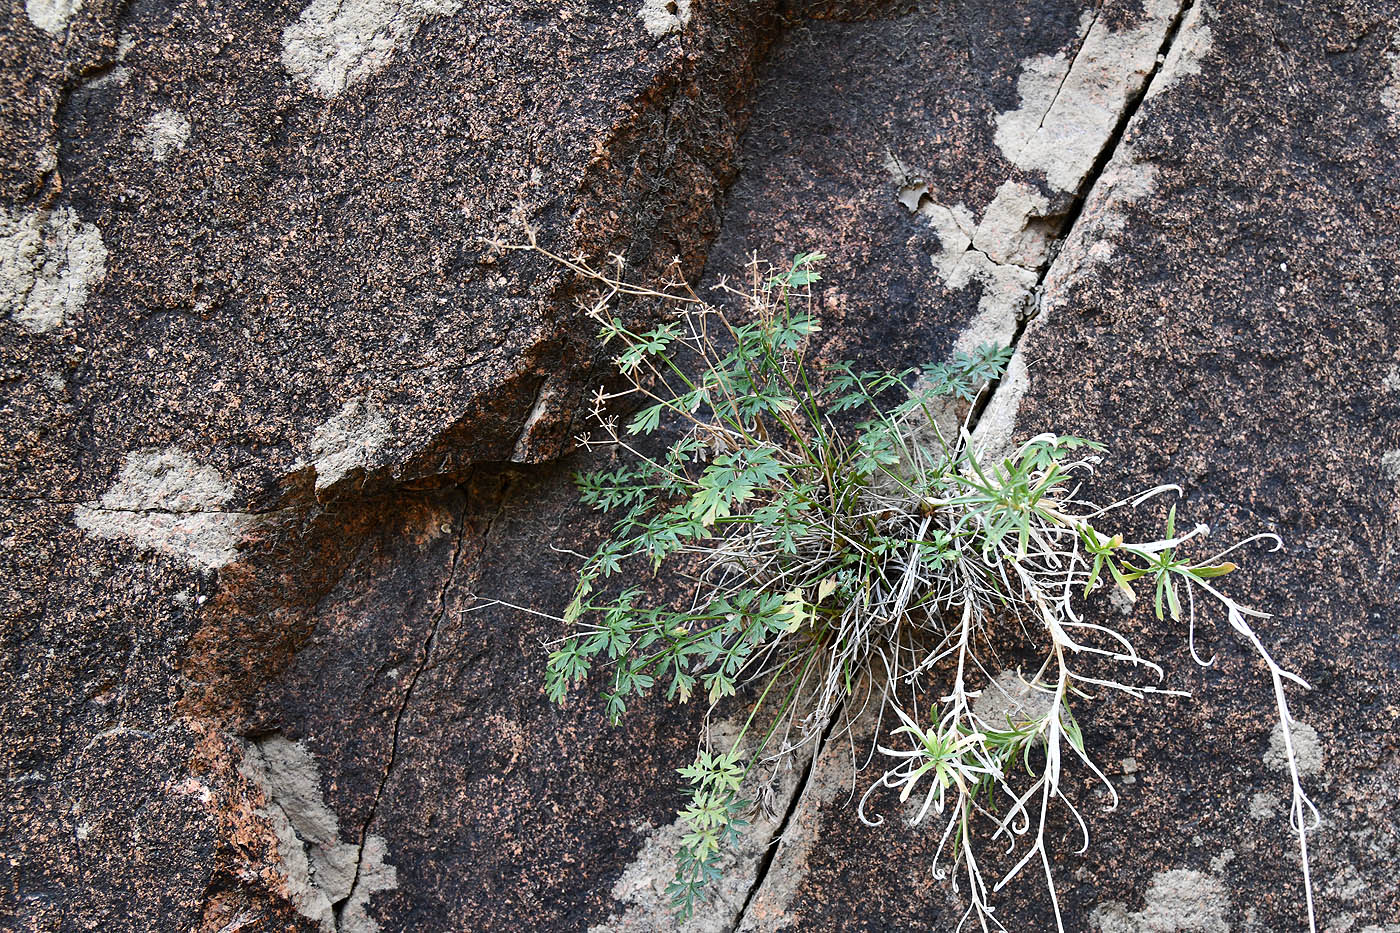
x: 170, y: 503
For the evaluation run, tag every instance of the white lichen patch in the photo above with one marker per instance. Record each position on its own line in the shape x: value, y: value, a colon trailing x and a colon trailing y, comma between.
x: 1264, y: 805
x: 1307, y: 747
x: 1218, y: 862
x: 1390, y: 92
x: 49, y: 261
x: 1069, y: 109
x: 1178, y: 901
x: 1009, y: 233
x: 1010, y: 698
x: 1189, y: 48
x: 1121, y: 600
x: 1390, y: 465
x: 52, y: 16
x: 335, y: 44
x: 1006, y: 293
x: 642, y: 887
x: 164, y: 134
x: 663, y: 17
x: 1002, y: 253
x: 1040, y: 81
x: 960, y: 261
x: 166, y: 501
x: 348, y: 441
x: 319, y: 870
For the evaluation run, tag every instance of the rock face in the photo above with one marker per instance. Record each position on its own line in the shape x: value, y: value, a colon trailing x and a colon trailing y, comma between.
x: 278, y: 410
x: 256, y: 339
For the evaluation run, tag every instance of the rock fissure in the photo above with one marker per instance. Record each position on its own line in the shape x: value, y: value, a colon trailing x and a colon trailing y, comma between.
x: 997, y: 430
x: 1084, y: 31
x: 770, y: 856
x: 428, y: 643
x: 1060, y: 227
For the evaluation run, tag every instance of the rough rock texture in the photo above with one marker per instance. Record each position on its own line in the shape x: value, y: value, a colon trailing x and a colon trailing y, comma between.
x: 1223, y: 314
x: 255, y: 335
x: 277, y: 414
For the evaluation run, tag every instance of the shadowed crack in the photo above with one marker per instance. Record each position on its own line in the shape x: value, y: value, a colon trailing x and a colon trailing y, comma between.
x: 419, y: 668
x: 766, y: 865
x: 1070, y: 217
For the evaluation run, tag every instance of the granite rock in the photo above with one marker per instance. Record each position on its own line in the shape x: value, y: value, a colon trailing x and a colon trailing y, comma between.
x: 282, y: 421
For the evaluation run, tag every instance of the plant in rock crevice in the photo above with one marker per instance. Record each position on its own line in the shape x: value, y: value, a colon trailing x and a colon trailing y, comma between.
x: 839, y: 542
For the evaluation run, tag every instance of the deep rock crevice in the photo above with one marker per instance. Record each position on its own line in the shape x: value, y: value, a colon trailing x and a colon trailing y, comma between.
x: 1060, y: 228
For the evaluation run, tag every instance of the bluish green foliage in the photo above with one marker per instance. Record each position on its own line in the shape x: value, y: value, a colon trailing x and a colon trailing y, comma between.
x: 791, y: 531
x: 761, y: 451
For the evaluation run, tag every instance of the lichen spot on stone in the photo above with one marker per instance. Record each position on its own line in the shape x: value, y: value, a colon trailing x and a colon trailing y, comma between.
x: 1307, y: 748
x: 164, y: 134
x: 166, y: 501
x: 1177, y: 901
x: 1390, y: 93
x: 321, y: 871
x: 1069, y: 107
x: 1193, y: 42
x: 348, y: 441
x: 336, y: 44
x: 49, y: 260
x: 663, y: 17
x: 1264, y: 805
x: 52, y: 16
x: 1390, y: 465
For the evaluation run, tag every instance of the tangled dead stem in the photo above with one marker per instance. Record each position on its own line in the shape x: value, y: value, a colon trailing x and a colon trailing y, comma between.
x: 835, y: 546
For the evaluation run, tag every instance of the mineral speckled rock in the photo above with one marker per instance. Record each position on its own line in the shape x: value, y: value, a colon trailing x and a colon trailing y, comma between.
x: 246, y: 272
x: 280, y: 420
x: 1223, y: 314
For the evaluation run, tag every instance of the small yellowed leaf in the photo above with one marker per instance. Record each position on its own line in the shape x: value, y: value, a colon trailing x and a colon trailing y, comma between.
x: 826, y: 588
x: 796, y: 605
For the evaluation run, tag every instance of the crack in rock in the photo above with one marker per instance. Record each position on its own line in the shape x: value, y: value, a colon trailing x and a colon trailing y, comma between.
x: 1125, y: 179
x: 49, y: 260
x: 527, y: 445
x: 642, y: 886
x: 999, y: 253
x: 320, y: 872
x: 168, y: 502
x: 1193, y: 41
x: 336, y: 44
x: 831, y: 783
x: 1094, y: 240
x: 1068, y: 109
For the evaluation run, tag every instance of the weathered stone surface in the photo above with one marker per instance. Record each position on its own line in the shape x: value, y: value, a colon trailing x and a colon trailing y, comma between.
x: 1222, y: 314
x: 249, y: 297
x: 264, y: 373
